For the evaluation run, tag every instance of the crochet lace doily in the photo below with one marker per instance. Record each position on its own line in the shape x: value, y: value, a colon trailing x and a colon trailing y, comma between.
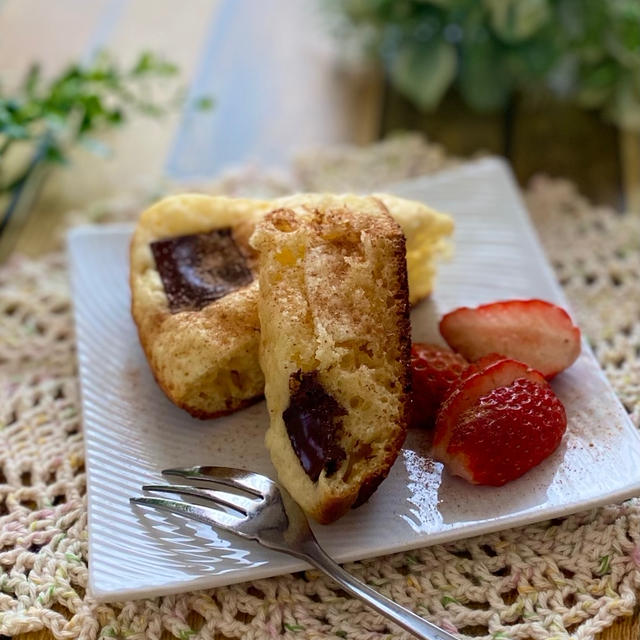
x: 560, y: 578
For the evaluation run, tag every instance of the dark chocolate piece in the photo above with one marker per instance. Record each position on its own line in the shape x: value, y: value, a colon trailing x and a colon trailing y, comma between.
x: 313, y: 423
x: 200, y: 268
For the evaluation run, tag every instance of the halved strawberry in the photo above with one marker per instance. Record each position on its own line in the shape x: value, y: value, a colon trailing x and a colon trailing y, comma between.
x: 482, y: 363
x: 498, y: 423
x: 434, y: 369
x: 472, y: 386
x: 536, y: 332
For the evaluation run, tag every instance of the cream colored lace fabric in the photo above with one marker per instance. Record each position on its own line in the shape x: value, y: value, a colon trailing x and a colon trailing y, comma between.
x: 570, y: 577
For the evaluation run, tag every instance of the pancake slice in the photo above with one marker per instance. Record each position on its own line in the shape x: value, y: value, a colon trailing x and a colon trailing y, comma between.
x: 334, y: 348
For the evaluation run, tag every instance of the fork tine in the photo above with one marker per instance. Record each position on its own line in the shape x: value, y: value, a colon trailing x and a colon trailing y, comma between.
x: 207, y: 515
x: 239, y: 503
x: 239, y: 478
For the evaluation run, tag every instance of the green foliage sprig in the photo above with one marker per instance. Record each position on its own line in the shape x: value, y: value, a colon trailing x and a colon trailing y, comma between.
x: 587, y: 51
x: 81, y: 101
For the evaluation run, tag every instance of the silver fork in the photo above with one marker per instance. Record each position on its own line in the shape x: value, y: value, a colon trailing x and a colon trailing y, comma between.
x: 271, y: 517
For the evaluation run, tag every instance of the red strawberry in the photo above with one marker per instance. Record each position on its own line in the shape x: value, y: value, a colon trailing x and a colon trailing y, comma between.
x: 482, y: 363
x: 498, y: 423
x: 532, y: 331
x: 434, y: 369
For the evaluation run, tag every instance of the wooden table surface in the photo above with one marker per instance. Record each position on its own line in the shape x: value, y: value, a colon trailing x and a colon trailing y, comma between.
x: 279, y: 86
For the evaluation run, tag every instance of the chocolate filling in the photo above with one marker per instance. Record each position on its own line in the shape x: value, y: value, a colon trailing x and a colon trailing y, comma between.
x: 200, y: 268
x: 313, y: 423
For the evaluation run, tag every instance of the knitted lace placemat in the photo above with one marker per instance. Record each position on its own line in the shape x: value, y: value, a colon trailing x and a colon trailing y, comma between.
x: 560, y: 578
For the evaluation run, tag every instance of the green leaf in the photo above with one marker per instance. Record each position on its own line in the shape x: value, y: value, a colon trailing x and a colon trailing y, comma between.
x: 15, y: 131
x: 144, y: 64
x: 597, y: 84
x: 424, y: 72
x: 32, y: 80
x: 204, y: 103
x: 445, y: 600
x: 11, y: 104
x: 294, y: 627
x: 622, y: 38
x: 115, y: 117
x: 532, y: 59
x: 445, y: 4
x: 516, y: 20
x: 55, y: 155
x: 484, y: 80
x: 148, y: 64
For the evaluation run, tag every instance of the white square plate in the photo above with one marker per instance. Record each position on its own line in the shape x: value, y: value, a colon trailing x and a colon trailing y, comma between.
x: 132, y: 431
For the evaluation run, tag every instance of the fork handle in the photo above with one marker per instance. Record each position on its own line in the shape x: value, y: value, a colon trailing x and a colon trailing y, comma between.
x: 404, y: 618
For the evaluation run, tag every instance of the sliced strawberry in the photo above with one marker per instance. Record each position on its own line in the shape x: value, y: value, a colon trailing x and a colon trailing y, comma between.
x: 482, y: 363
x: 434, y: 369
x: 532, y: 331
x: 498, y: 423
x: 471, y: 388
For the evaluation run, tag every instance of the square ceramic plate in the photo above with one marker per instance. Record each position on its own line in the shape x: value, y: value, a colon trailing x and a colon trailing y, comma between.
x: 132, y: 431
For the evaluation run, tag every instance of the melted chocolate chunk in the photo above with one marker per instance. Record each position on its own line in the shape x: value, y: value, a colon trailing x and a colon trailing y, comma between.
x: 313, y: 422
x: 199, y: 269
